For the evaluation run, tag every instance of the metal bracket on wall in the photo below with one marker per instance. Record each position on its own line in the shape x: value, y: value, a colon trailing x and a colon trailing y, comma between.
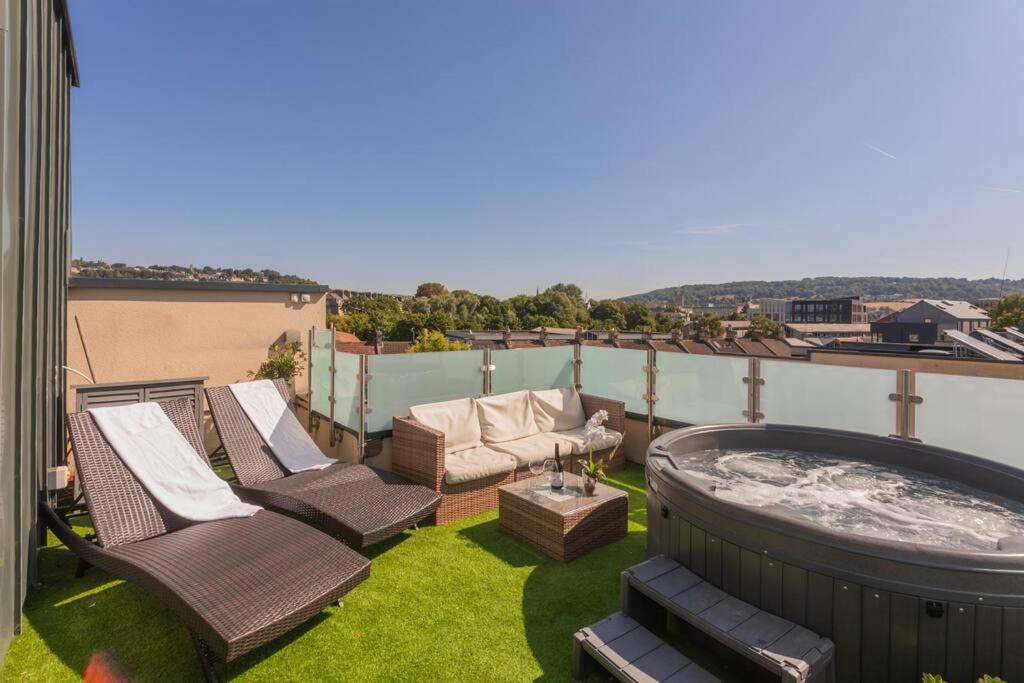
x: 754, y: 382
x: 906, y: 405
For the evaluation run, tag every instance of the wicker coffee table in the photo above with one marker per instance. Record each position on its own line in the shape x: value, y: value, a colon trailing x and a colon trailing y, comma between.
x: 562, y: 525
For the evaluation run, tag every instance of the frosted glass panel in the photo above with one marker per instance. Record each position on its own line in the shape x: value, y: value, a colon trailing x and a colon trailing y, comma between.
x: 400, y: 380
x: 346, y: 390
x: 544, y: 368
x: 978, y: 415
x: 617, y: 374
x: 320, y: 377
x: 701, y: 389
x: 855, y: 399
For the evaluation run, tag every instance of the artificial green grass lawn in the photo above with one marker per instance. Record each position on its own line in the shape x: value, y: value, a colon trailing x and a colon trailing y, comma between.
x: 459, y: 602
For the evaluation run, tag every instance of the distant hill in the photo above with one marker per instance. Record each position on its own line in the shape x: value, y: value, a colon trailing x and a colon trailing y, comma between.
x: 876, y: 288
x: 123, y: 271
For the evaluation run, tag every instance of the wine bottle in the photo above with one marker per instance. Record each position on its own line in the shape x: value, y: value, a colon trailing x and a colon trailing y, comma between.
x: 557, y: 480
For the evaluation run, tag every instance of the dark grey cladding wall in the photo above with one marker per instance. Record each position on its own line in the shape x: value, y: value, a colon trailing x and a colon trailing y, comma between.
x: 37, y: 72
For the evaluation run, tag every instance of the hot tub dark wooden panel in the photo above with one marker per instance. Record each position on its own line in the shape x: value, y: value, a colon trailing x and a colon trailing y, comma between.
x: 893, y: 610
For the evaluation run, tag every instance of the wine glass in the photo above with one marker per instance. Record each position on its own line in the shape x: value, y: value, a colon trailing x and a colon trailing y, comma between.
x: 537, y: 466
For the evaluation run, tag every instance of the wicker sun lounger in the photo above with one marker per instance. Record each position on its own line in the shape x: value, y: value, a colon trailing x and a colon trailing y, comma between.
x: 236, y: 583
x: 355, y: 503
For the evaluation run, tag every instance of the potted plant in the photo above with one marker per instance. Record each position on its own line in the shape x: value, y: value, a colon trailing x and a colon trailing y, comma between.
x: 284, y: 361
x: 593, y: 471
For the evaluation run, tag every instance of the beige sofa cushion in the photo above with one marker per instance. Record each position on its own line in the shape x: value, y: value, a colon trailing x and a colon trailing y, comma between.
x: 575, y: 437
x: 456, y: 419
x: 476, y: 463
x: 536, y: 446
x: 506, y: 417
x: 557, y: 410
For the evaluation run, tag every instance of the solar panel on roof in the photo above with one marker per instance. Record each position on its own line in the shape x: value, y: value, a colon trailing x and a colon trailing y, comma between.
x: 980, y: 347
x: 1014, y: 332
x: 1008, y: 343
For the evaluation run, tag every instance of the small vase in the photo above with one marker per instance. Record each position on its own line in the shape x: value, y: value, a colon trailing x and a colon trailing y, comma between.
x: 589, y: 485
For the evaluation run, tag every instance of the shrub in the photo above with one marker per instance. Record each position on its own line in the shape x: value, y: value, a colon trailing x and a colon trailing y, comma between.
x: 284, y: 362
x: 432, y: 340
x: 761, y: 326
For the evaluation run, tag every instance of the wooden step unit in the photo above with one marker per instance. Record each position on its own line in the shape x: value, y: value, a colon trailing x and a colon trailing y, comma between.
x: 631, y: 653
x: 794, y: 653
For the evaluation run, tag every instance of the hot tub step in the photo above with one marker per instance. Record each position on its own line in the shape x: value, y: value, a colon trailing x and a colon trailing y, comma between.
x: 630, y: 652
x: 793, y: 652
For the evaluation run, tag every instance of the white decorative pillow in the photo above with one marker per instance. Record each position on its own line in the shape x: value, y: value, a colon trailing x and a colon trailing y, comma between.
x: 557, y: 410
x: 457, y: 419
x: 506, y: 417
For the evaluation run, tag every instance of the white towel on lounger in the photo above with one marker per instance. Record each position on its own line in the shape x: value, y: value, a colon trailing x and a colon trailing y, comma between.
x: 166, y: 465
x: 269, y: 414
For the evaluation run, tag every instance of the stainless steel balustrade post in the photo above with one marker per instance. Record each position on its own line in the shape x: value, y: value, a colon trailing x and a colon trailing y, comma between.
x: 577, y: 361
x: 651, y: 397
x: 754, y: 382
x: 309, y: 391
x: 334, y: 352
x: 906, y: 399
x: 363, y: 379
x: 487, y: 370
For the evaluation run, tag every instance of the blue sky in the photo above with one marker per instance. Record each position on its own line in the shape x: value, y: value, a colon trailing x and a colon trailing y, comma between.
x: 505, y: 146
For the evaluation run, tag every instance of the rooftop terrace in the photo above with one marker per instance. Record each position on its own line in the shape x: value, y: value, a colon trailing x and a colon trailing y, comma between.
x: 464, y: 601
x: 458, y: 602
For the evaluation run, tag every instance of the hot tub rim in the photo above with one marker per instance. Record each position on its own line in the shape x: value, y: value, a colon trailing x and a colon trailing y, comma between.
x: 924, y: 555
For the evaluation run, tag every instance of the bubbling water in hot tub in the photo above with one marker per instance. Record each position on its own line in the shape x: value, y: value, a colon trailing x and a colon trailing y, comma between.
x: 859, y: 497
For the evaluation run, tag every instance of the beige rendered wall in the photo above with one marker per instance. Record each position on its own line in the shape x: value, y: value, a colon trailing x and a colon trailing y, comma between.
x: 139, y: 334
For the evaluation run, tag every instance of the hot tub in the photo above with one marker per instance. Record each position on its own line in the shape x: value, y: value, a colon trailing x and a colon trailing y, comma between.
x: 910, y: 557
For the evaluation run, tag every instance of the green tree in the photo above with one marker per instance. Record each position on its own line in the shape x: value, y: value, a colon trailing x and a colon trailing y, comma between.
x: 666, y: 322
x: 1008, y: 312
x: 535, y: 320
x: 358, y: 324
x: 501, y: 317
x: 761, y: 326
x: 408, y: 326
x: 382, y: 312
x: 431, y: 289
x: 432, y: 340
x: 440, y: 321
x: 638, y: 316
x: 607, y: 315
x: 708, y: 325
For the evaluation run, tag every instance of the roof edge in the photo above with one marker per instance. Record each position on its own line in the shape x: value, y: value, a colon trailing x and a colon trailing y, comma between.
x: 215, y: 285
x: 64, y: 13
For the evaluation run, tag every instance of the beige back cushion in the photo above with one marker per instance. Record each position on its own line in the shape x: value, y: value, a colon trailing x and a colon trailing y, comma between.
x: 506, y: 417
x: 457, y: 419
x: 557, y: 410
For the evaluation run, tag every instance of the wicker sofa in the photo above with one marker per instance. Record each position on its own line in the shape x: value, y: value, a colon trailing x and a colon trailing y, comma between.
x: 465, y: 449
